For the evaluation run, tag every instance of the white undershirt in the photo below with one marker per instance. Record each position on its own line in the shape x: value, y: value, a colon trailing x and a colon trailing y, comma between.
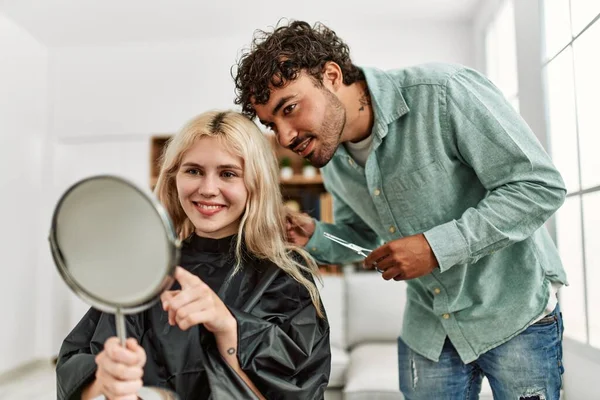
x: 360, y: 150
x: 552, y: 300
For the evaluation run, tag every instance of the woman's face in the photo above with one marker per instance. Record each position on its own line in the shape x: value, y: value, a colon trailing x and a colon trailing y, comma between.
x: 211, y: 189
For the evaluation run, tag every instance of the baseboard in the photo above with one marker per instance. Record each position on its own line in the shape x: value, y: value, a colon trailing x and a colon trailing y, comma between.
x: 24, y: 369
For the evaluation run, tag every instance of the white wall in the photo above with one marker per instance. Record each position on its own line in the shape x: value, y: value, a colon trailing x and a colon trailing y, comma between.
x: 529, y: 53
x: 139, y: 89
x: 23, y: 127
x: 404, y: 43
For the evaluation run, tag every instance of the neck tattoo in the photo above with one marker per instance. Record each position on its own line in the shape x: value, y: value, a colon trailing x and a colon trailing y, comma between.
x: 365, y: 100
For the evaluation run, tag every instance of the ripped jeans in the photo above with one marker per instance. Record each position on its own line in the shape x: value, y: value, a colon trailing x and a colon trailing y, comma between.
x: 527, y: 367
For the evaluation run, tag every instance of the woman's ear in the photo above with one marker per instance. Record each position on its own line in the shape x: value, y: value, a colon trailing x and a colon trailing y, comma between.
x: 333, y: 77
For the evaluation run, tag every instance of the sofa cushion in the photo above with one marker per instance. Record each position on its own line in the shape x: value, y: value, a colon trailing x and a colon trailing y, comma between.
x: 333, y: 394
x: 375, y: 308
x: 373, y: 373
x: 334, y: 301
x: 339, y: 365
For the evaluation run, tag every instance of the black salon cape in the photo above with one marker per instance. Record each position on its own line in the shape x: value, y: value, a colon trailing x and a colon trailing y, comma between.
x: 283, y: 345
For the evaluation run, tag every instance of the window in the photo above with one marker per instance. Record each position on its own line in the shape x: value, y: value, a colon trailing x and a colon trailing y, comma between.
x: 572, y: 34
x: 501, y: 52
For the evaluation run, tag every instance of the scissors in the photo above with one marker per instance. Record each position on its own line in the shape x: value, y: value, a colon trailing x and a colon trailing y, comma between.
x: 361, y: 251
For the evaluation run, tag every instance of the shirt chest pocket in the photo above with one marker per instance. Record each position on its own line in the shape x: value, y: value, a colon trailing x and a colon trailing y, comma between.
x: 424, y: 197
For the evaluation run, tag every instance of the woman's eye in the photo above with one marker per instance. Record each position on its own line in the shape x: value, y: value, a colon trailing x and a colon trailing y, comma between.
x: 289, y: 109
x: 193, y: 171
x: 229, y: 174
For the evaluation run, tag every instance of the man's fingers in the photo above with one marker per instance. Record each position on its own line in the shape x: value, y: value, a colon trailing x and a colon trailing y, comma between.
x: 292, y: 236
x: 392, y: 273
x: 386, y: 263
x: 378, y: 262
x: 376, y: 256
x: 300, y: 222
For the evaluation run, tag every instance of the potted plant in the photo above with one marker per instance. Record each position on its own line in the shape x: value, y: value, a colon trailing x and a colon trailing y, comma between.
x: 285, y: 168
x: 308, y: 171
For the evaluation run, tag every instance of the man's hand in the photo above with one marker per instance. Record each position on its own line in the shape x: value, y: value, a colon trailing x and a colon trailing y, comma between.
x: 403, y: 259
x: 299, y: 227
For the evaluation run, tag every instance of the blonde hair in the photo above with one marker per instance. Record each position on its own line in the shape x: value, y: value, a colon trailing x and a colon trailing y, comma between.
x: 262, y: 226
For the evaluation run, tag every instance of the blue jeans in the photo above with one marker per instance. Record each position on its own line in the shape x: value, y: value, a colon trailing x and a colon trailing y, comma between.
x: 527, y: 367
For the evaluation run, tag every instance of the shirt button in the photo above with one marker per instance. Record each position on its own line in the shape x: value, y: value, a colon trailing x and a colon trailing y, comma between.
x: 314, y: 249
x: 446, y: 316
x: 436, y: 290
x: 351, y: 161
x: 392, y: 229
x: 377, y: 192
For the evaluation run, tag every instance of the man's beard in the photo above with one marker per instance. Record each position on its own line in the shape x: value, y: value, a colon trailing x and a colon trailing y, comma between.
x: 330, y: 132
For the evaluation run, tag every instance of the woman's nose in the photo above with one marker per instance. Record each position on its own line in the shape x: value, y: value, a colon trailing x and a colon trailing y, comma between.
x: 209, y: 186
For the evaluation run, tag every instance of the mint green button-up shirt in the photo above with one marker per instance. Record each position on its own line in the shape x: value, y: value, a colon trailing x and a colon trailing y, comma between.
x: 453, y: 160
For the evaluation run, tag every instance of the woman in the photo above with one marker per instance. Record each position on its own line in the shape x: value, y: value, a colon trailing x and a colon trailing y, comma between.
x: 244, y: 319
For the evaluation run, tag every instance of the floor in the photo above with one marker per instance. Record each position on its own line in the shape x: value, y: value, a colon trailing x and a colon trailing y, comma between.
x: 38, y: 382
x: 35, y: 382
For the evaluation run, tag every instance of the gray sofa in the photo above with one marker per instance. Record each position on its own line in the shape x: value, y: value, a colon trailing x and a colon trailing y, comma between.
x: 365, y: 315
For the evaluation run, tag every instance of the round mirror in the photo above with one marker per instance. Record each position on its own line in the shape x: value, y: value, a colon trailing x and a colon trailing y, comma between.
x: 115, y: 247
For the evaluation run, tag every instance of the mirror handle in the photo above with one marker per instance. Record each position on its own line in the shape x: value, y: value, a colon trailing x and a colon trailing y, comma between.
x: 120, y: 325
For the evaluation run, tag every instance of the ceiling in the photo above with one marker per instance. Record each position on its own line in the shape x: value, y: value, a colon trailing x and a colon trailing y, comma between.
x: 108, y: 22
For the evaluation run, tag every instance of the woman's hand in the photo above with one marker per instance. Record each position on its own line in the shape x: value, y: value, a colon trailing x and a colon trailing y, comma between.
x: 196, y: 303
x: 120, y: 370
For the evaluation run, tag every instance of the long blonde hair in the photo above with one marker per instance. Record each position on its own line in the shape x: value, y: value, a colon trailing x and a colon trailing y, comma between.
x: 262, y: 226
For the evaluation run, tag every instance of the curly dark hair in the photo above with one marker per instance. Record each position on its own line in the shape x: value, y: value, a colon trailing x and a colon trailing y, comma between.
x: 277, y: 57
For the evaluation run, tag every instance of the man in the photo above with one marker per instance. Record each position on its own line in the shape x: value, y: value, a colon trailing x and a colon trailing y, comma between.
x: 432, y: 161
